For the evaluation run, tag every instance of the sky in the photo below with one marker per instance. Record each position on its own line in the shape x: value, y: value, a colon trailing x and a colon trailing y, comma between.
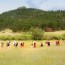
x: 6, y: 5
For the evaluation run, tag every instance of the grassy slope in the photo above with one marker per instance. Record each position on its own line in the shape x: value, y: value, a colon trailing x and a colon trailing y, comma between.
x: 54, y: 55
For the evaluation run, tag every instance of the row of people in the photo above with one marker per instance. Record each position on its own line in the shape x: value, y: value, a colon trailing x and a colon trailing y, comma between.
x: 15, y: 43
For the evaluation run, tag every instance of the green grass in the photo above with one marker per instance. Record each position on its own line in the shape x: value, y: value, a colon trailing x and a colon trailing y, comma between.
x: 53, y: 55
x: 9, y: 35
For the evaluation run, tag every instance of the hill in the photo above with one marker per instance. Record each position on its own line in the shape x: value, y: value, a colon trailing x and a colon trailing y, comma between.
x: 23, y: 19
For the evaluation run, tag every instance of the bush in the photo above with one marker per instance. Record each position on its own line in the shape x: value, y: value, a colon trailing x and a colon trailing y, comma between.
x: 37, y: 34
x: 56, y: 37
x: 16, y: 37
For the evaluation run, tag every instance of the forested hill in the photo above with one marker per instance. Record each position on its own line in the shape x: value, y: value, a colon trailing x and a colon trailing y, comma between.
x: 23, y: 19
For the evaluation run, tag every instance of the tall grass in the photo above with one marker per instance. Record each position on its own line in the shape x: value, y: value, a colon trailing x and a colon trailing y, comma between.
x: 28, y: 36
x: 53, y: 55
x: 16, y: 37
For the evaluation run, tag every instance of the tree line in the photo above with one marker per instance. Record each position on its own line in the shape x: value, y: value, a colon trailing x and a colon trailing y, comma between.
x: 23, y: 19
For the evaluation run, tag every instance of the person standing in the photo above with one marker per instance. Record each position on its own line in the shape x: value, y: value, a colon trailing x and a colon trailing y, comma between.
x: 57, y: 42
x: 34, y: 44
x: 48, y: 43
x: 2, y: 43
x: 8, y: 43
x: 15, y: 43
x: 22, y: 44
x: 41, y: 44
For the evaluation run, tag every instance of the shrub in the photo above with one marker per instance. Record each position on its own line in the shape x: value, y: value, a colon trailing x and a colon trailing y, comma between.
x: 37, y: 34
x: 56, y: 37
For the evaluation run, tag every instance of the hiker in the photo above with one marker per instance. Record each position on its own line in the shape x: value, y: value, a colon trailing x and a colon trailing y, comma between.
x: 22, y: 44
x: 15, y: 43
x: 34, y: 44
x: 2, y: 43
x: 48, y: 43
x: 57, y: 43
x: 7, y: 43
x: 41, y: 44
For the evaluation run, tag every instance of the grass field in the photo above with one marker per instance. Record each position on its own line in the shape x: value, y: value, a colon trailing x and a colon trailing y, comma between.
x: 53, y: 55
x: 7, y: 34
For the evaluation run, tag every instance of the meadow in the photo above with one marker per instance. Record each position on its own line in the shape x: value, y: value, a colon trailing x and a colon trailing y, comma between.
x: 8, y: 34
x: 53, y: 55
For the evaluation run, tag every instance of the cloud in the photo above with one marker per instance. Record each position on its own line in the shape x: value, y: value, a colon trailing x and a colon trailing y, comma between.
x: 6, y: 5
x: 47, y: 4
